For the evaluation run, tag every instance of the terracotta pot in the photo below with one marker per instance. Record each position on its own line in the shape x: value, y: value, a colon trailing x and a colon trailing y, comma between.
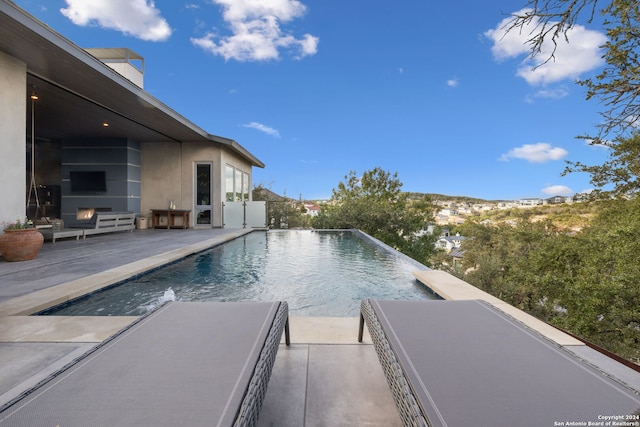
x: 21, y: 245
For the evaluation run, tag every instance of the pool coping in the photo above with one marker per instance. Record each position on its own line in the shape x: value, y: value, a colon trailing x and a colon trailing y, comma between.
x: 17, y: 325
x: 30, y: 327
x: 450, y: 287
x: 41, y: 300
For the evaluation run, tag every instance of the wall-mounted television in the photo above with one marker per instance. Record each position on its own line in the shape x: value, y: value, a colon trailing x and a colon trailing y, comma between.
x: 88, y: 181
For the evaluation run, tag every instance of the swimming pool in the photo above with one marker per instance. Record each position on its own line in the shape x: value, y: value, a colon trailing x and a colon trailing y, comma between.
x: 319, y: 273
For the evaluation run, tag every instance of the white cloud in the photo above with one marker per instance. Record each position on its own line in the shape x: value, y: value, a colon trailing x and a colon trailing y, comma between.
x: 262, y: 128
x: 453, y: 82
x: 256, y: 32
x: 557, y: 190
x: 137, y: 18
x: 579, y: 55
x: 546, y: 93
x: 535, y: 153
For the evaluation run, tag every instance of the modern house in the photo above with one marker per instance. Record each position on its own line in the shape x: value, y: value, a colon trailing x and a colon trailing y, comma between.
x: 78, y: 130
x: 534, y: 201
x: 449, y: 243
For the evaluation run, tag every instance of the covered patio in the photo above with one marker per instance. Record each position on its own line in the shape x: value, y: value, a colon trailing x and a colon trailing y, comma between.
x: 81, y: 135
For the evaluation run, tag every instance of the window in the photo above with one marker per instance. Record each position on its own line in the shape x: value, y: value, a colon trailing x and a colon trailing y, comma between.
x: 245, y: 187
x: 229, y: 188
x: 237, y: 184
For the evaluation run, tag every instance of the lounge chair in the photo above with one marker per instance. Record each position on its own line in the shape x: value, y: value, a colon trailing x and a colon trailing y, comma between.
x: 186, y: 364
x: 465, y: 363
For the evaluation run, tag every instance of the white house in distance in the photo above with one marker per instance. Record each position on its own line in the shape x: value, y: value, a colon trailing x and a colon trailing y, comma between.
x: 449, y: 243
x: 94, y: 139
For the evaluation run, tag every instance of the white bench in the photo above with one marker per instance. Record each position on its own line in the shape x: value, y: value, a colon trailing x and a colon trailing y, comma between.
x: 109, y: 222
x: 50, y: 234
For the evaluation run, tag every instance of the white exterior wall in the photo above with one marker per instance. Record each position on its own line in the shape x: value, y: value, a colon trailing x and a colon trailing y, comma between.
x: 13, y: 164
x: 167, y: 174
x: 129, y: 71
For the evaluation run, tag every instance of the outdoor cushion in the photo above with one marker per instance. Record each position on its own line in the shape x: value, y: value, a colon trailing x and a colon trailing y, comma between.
x: 466, y: 363
x: 186, y: 364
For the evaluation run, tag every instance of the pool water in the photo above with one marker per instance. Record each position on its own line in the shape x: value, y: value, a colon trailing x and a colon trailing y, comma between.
x: 319, y: 273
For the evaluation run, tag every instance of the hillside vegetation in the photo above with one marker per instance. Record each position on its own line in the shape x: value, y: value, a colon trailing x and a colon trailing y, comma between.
x: 574, y: 216
x: 574, y: 266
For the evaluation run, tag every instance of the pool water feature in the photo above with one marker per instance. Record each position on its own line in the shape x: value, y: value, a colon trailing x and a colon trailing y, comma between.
x: 319, y: 273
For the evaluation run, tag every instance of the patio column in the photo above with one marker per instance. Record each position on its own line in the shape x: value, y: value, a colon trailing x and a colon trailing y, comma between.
x: 13, y: 162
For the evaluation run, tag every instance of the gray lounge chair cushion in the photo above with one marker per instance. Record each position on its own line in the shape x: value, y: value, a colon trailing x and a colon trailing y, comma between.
x: 187, y: 364
x: 468, y: 364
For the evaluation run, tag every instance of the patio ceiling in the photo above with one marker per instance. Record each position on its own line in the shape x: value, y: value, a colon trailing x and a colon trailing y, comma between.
x: 78, y: 93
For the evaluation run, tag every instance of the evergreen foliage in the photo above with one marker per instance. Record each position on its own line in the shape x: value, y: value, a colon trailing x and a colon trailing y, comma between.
x: 587, y: 282
x: 375, y: 204
x: 282, y: 212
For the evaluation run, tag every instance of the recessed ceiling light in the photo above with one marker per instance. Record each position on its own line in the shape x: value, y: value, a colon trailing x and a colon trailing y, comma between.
x: 105, y: 124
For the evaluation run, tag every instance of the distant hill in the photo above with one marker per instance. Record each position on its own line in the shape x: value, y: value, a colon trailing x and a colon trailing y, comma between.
x: 268, y: 195
x: 459, y: 199
x: 264, y: 194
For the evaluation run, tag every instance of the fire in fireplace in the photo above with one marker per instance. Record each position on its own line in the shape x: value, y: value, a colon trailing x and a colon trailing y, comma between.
x: 87, y: 213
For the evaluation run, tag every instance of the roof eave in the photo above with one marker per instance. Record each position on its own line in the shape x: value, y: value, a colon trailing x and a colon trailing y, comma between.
x: 235, y: 146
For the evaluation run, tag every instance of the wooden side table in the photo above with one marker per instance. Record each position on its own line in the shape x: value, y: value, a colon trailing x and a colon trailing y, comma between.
x: 171, y: 215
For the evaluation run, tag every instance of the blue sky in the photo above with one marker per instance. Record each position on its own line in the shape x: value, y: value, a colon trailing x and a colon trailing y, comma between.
x: 318, y: 88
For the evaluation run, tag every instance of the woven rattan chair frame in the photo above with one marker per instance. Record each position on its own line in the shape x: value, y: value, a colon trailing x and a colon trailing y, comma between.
x: 407, y: 406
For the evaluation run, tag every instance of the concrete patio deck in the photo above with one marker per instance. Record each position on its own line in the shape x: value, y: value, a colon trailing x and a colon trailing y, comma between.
x: 325, y: 378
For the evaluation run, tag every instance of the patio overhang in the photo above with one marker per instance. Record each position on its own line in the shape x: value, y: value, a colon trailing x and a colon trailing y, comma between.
x: 78, y: 94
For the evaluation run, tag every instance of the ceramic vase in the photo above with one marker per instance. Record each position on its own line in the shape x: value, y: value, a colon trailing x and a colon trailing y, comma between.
x: 21, y: 245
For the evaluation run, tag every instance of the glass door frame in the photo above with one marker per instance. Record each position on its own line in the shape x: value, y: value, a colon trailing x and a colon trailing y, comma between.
x: 199, y: 199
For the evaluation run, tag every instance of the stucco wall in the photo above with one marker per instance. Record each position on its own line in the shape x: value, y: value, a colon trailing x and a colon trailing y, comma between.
x: 160, y: 176
x: 168, y: 175
x: 118, y: 158
x: 13, y: 110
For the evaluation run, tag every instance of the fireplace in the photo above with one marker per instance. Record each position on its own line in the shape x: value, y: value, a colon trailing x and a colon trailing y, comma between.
x: 83, y: 214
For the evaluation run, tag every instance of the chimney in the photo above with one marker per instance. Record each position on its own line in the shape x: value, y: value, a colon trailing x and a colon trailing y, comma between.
x: 124, y: 61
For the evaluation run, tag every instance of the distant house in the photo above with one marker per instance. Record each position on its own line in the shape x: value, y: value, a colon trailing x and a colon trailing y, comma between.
x: 457, y: 254
x: 448, y: 212
x: 312, y: 209
x: 483, y: 207
x: 556, y: 200
x: 507, y: 205
x: 581, y: 197
x: 449, y: 243
x: 529, y: 202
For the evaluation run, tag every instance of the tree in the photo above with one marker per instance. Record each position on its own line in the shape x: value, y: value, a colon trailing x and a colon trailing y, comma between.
x: 586, y: 283
x: 601, y: 299
x: 617, y: 86
x: 375, y: 204
x: 282, y: 212
x: 510, y: 262
x: 620, y: 172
